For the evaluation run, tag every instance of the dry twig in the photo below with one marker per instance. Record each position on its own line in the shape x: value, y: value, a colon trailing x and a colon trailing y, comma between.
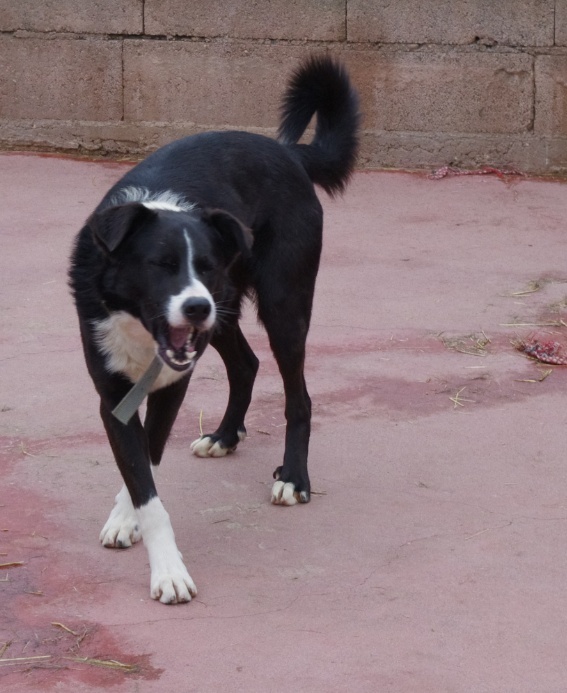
x: 458, y: 400
x: 63, y: 627
x: 22, y: 660
x: 531, y: 288
x: 544, y: 375
x: 108, y: 663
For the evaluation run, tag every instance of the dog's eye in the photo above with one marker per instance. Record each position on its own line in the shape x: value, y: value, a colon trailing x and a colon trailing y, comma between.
x: 203, y: 265
x: 168, y: 263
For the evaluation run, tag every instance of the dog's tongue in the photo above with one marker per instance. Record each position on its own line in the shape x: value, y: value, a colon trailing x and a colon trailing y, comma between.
x: 178, y: 336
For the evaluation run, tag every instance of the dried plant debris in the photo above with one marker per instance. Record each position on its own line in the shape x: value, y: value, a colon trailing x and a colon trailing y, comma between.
x: 459, y: 401
x: 63, y: 627
x: 535, y: 285
x: 472, y: 344
x: 544, y: 374
x: 531, y: 288
x: 18, y: 661
x: 549, y: 323
x: 548, y: 316
x: 108, y: 663
x: 559, y: 306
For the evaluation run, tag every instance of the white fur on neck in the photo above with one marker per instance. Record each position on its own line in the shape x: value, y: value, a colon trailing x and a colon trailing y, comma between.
x: 129, y: 349
x: 167, y: 199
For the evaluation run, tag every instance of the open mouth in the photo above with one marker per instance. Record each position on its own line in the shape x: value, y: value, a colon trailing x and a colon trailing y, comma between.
x: 178, y: 350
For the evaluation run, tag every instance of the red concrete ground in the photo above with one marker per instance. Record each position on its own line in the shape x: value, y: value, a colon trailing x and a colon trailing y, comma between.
x: 432, y: 558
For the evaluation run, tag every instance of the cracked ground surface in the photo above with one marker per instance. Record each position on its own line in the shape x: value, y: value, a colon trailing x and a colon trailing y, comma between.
x: 432, y: 556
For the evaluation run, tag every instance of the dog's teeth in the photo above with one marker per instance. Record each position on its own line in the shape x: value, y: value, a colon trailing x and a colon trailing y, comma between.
x: 179, y: 362
x: 170, y: 354
x: 191, y: 355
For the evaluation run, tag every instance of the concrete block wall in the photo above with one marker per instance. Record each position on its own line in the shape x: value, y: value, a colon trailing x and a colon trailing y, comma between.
x: 461, y: 82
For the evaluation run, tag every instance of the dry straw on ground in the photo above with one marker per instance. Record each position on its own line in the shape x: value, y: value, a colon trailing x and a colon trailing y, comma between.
x: 472, y: 344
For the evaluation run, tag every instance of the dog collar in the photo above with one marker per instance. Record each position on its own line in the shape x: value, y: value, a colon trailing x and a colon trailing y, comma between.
x: 131, y: 402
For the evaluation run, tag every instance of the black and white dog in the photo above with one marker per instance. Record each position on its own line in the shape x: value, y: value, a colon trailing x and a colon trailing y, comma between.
x: 160, y: 269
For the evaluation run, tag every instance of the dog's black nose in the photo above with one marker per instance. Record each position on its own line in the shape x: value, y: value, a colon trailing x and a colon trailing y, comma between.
x: 196, y: 309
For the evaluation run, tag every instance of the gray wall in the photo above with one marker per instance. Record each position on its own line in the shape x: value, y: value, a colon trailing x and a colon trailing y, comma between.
x: 466, y: 82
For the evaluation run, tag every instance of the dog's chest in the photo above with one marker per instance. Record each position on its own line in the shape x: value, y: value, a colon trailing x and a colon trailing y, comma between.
x: 129, y: 349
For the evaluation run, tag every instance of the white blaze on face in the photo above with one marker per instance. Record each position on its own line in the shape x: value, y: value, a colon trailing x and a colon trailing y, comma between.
x: 194, y: 289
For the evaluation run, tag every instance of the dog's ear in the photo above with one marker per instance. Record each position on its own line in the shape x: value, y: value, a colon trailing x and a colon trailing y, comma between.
x: 237, y: 238
x: 111, y: 226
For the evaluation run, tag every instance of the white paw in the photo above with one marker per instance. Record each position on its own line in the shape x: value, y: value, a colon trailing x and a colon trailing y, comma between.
x: 204, y: 447
x: 284, y: 493
x: 171, y: 583
x: 122, y: 528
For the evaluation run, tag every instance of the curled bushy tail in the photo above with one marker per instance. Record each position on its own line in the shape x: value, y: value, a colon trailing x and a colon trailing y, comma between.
x: 322, y: 86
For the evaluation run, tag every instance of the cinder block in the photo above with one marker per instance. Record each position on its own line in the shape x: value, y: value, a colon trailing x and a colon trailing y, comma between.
x: 419, y: 151
x: 561, y: 22
x: 509, y: 22
x: 453, y: 92
x: 554, y: 156
x: 322, y: 20
x: 209, y: 84
x: 551, y: 95
x: 379, y: 150
x: 60, y: 79
x: 93, y: 16
x: 130, y: 141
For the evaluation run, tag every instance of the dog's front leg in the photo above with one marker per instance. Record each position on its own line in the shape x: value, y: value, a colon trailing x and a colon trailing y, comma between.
x: 170, y: 581
x: 122, y: 528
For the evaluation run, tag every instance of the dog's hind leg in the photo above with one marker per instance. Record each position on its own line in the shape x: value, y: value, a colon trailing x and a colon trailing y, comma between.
x: 292, y: 479
x: 287, y: 324
x: 241, y: 367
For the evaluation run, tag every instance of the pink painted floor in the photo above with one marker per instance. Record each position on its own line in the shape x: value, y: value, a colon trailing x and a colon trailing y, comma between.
x: 433, y: 557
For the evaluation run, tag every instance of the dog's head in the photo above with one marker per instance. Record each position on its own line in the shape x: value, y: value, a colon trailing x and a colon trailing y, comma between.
x: 169, y: 269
